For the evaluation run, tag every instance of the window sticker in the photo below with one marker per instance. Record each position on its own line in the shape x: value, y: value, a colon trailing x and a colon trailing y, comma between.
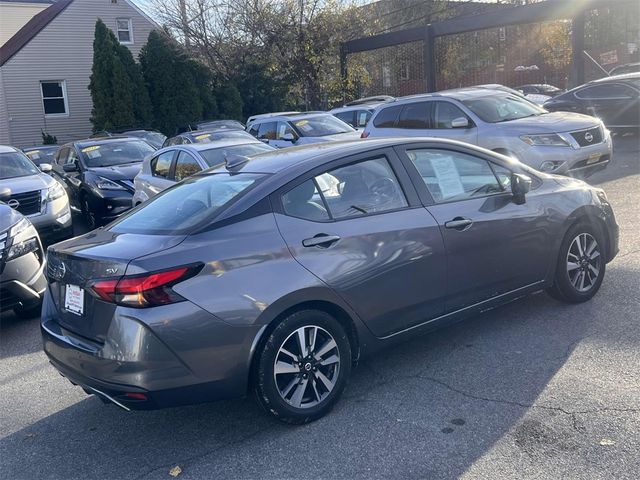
x: 448, y: 176
x: 34, y: 154
x: 90, y: 149
x: 203, y: 136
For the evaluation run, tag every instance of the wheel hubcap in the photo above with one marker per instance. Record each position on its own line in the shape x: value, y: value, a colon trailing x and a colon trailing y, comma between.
x: 583, y: 262
x: 306, y: 367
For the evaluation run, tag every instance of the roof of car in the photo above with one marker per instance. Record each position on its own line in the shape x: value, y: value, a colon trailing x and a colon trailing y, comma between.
x: 623, y: 76
x: 40, y: 147
x: 295, y: 116
x: 220, y: 143
x: 352, y: 108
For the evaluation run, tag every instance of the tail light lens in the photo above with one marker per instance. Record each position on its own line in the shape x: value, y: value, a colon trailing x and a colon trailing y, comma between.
x: 142, y: 291
x: 364, y: 134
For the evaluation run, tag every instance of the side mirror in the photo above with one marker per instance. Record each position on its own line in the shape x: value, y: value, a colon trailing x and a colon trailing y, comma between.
x: 460, y: 122
x: 520, y: 186
x: 288, y: 137
x: 70, y: 167
x: 45, y: 167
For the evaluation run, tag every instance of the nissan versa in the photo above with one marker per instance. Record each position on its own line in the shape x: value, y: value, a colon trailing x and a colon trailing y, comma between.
x: 256, y: 276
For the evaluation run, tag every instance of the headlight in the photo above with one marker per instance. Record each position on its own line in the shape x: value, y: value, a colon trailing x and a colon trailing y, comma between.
x: 55, y: 191
x: 106, y: 184
x: 19, y: 227
x: 546, y: 139
x: 22, y: 248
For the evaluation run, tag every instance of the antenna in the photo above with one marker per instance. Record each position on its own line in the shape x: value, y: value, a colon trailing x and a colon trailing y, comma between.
x: 234, y: 162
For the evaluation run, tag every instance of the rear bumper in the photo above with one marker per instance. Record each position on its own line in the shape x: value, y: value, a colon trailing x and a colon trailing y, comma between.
x: 204, y: 360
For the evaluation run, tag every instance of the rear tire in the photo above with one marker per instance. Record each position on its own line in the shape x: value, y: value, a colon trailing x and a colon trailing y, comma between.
x: 581, y: 264
x: 301, y: 383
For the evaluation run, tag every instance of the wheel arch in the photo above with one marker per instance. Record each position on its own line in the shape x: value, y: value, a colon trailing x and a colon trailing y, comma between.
x: 591, y: 215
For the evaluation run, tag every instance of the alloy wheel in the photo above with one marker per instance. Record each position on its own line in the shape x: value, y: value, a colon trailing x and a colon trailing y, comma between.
x: 583, y: 262
x: 306, y: 366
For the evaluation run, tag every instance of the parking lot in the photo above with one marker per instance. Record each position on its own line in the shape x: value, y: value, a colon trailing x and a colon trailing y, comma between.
x: 535, y: 389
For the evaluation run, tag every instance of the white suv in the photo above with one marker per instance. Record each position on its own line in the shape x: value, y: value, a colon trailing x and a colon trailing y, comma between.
x: 559, y: 142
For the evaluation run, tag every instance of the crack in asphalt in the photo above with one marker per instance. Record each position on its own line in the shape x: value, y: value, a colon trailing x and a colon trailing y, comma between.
x: 183, y: 462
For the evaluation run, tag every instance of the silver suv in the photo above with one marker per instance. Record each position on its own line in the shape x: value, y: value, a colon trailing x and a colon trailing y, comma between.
x: 36, y: 195
x: 559, y: 142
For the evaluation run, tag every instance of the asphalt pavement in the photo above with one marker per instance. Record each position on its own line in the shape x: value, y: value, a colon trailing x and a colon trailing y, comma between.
x: 535, y: 389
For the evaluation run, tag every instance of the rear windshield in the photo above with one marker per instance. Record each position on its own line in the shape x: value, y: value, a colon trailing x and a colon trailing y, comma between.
x: 16, y: 164
x: 216, y: 156
x: 321, y: 126
x: 191, y: 203
x: 115, y: 153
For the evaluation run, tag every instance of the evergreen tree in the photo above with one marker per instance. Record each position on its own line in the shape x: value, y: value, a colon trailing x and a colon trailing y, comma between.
x: 117, y: 88
x: 230, y: 102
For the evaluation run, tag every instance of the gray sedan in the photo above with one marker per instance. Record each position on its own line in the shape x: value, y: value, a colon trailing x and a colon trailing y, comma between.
x: 254, y: 277
x: 172, y: 164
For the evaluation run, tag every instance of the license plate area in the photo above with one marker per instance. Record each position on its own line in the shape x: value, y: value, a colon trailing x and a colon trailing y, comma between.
x: 74, y: 299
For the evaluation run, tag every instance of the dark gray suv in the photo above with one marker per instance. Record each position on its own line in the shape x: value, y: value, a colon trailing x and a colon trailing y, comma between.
x: 276, y: 274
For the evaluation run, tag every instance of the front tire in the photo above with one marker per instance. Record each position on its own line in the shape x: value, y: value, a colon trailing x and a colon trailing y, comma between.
x: 303, y: 367
x: 581, y: 264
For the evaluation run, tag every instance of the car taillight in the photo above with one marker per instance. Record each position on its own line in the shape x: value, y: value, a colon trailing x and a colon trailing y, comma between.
x: 364, y: 134
x: 147, y: 290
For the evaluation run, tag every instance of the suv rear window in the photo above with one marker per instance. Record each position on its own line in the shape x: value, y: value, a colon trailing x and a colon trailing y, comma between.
x: 196, y: 201
x: 387, y: 117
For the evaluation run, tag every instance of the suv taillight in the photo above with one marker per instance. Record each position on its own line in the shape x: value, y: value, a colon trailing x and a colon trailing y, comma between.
x: 142, y: 291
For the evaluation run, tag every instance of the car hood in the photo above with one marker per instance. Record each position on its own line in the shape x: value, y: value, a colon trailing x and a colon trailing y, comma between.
x: 38, y: 181
x: 556, y: 122
x: 118, y: 172
x: 8, y: 217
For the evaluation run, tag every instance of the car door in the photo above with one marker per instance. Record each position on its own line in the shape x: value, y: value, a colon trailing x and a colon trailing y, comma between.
x: 615, y: 104
x: 494, y: 246
x: 283, y: 128
x: 184, y: 166
x: 359, y: 227
x: 72, y: 179
x: 160, y: 179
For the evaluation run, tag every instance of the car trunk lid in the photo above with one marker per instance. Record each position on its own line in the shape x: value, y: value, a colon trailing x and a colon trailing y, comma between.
x: 74, y: 265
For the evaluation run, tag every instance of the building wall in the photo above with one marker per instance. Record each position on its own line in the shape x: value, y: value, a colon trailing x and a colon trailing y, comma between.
x: 14, y: 15
x: 4, y: 126
x: 63, y: 50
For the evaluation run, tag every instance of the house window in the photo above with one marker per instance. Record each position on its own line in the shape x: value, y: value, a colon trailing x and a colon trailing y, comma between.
x: 54, y: 97
x: 404, y: 71
x: 124, y: 30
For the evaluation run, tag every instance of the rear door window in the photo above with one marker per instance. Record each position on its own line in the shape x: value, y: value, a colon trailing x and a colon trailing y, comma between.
x: 346, y: 117
x: 267, y: 131
x: 161, y: 165
x: 414, y: 116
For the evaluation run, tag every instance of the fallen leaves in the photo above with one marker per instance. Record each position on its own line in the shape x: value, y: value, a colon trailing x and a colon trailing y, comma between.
x: 606, y: 442
x: 175, y: 471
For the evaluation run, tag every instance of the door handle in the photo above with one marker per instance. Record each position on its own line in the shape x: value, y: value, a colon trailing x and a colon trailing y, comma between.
x: 320, y: 240
x: 459, y: 223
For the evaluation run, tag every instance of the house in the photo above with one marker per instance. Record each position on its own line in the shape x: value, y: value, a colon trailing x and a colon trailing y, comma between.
x: 46, y: 65
x: 15, y: 13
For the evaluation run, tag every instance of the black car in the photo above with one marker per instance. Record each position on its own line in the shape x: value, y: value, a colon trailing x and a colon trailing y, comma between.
x: 615, y: 100
x: 98, y: 175
x: 41, y: 153
x: 205, y: 136
x: 152, y: 137
x: 540, y: 89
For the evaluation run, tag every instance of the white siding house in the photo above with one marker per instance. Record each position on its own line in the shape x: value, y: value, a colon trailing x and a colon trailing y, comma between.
x: 45, y: 68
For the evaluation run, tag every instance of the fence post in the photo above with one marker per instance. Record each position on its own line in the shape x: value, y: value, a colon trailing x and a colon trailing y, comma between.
x: 429, y: 59
x: 343, y: 71
x: 577, y: 47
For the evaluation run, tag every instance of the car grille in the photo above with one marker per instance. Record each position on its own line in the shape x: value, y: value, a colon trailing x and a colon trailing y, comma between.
x: 28, y: 202
x: 588, y: 137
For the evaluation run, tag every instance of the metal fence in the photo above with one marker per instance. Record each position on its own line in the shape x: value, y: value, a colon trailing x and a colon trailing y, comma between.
x: 537, y: 43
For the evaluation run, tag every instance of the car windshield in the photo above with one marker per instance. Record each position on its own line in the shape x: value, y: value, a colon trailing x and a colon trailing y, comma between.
x: 194, y: 201
x: 216, y: 156
x: 220, y: 135
x: 321, y: 126
x: 115, y: 153
x: 16, y: 164
x: 502, y: 108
